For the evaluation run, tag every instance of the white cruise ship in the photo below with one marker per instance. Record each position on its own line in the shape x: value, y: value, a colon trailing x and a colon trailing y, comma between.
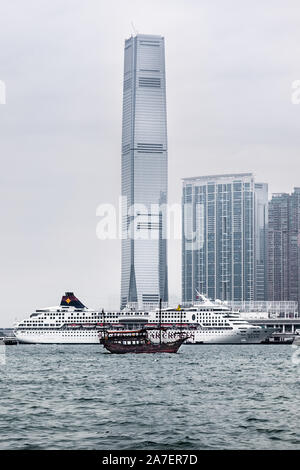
x: 73, y: 323
x: 69, y: 323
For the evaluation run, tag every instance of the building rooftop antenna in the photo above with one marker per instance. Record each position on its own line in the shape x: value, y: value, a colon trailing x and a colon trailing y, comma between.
x: 135, y: 31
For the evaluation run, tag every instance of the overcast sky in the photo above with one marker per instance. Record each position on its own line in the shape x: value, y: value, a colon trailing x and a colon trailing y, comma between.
x: 229, y: 65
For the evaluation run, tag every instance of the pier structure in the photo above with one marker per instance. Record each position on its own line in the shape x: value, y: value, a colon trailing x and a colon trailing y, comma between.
x: 282, y: 315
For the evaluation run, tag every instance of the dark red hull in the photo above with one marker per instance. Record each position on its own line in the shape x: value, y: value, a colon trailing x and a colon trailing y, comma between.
x: 117, y: 348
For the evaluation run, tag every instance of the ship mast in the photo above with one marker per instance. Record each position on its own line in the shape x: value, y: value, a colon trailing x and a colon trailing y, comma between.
x: 159, y: 321
x: 181, y: 326
x: 103, y: 321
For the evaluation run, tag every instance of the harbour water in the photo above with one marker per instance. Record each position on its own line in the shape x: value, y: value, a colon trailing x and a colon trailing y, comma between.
x: 204, y: 397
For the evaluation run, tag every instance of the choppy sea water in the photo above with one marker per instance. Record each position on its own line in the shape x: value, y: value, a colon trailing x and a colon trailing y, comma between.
x: 203, y: 397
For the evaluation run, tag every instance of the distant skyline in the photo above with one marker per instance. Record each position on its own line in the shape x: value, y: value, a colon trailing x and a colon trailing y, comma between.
x: 230, y: 69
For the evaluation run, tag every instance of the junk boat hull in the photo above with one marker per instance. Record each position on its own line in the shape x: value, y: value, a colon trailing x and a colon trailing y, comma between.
x: 117, y: 348
x: 137, y: 342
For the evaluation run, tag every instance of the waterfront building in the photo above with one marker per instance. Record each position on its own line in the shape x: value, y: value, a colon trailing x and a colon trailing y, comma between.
x: 283, y: 246
x: 261, y: 241
x: 294, y: 246
x: 223, y: 242
x: 272, y: 309
x: 144, y: 276
x: 278, y: 236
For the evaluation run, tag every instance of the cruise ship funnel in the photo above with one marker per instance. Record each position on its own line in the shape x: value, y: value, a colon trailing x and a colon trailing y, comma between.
x: 69, y: 300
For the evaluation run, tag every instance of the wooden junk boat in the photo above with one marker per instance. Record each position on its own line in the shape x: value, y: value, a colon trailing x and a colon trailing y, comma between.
x: 137, y: 341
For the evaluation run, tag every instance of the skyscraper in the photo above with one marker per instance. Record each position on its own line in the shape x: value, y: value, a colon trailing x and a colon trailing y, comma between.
x: 294, y: 246
x: 261, y: 241
x: 278, y: 247
x: 144, y: 277
x: 221, y: 235
x: 284, y: 246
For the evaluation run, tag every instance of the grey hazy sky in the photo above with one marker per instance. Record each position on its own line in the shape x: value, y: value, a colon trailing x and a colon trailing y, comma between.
x: 229, y: 64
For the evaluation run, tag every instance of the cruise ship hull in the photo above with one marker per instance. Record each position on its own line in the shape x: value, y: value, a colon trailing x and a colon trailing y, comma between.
x: 91, y: 337
x: 256, y: 336
x: 54, y: 337
x: 229, y: 338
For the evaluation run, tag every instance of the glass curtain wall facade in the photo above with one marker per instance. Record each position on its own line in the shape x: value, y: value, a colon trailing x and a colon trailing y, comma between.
x: 294, y: 246
x: 144, y: 276
x: 284, y: 247
x: 219, y: 235
x: 278, y: 247
x: 261, y: 242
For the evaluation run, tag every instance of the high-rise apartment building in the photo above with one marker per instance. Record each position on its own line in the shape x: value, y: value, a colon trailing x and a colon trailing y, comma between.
x: 278, y: 247
x: 223, y: 242
x: 261, y: 241
x: 144, y: 277
x: 283, y: 247
x: 294, y: 246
